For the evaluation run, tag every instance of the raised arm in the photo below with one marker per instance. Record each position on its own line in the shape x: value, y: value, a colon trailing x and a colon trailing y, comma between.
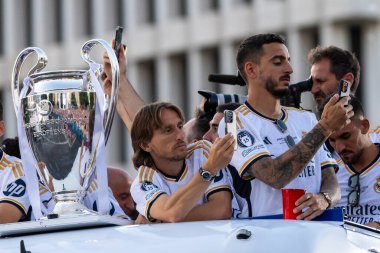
x: 278, y: 172
x: 129, y: 101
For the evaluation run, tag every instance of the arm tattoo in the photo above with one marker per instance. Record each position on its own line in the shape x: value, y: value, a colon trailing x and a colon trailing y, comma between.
x: 280, y: 171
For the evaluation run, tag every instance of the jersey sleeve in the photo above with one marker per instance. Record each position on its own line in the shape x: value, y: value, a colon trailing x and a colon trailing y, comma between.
x: 13, y: 187
x: 145, y: 190
x: 90, y: 201
x: 374, y: 135
x: 250, y: 146
x: 325, y: 158
x: 220, y: 183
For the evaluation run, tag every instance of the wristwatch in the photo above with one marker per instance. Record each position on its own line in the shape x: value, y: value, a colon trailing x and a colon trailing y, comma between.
x: 206, y: 175
x: 327, y: 198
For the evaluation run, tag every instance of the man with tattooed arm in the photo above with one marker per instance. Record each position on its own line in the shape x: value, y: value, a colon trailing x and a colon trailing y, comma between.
x: 285, y: 147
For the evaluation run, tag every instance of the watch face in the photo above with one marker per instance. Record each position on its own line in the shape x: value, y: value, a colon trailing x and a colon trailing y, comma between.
x: 206, y: 175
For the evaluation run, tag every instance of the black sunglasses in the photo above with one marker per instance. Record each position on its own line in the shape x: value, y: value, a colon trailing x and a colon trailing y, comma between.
x: 283, y: 128
x: 354, y: 196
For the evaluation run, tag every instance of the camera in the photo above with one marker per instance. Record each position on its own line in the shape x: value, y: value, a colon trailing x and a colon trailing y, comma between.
x: 211, y: 100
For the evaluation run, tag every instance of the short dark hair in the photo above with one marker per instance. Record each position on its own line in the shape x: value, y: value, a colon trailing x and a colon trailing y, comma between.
x: 342, y: 62
x: 11, y: 147
x: 148, y: 119
x: 252, y: 49
x: 357, y: 106
x: 201, y: 125
x: 228, y: 106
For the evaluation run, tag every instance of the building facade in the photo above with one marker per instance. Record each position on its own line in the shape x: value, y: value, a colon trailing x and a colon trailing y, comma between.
x: 173, y: 45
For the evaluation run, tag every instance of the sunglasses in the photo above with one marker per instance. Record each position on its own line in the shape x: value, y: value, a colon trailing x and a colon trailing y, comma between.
x: 354, y: 196
x: 284, y: 129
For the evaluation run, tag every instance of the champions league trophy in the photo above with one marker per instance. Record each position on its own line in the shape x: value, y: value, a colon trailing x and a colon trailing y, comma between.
x: 64, y: 120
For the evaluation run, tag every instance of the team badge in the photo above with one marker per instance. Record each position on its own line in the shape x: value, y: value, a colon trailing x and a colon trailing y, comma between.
x: 148, y: 186
x: 245, y: 139
x: 376, y: 186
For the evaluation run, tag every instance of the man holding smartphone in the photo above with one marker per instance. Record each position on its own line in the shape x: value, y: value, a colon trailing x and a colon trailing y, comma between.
x: 329, y: 65
x: 287, y: 143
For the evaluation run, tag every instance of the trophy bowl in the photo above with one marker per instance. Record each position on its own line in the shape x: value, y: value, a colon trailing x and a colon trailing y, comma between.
x: 65, y: 119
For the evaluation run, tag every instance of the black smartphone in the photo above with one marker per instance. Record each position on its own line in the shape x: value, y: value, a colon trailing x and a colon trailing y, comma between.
x: 344, y: 89
x: 118, y: 36
x: 230, y: 122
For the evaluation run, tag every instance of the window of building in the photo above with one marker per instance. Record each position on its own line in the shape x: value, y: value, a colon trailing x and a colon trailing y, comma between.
x: 210, y: 65
x: 147, y: 80
x: 209, y: 5
x: 1, y: 27
x: 88, y: 17
x: 146, y: 11
x: 179, y: 81
x: 177, y: 8
x: 355, y: 37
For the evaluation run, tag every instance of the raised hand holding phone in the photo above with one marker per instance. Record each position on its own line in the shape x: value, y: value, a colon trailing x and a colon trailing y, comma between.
x: 344, y: 90
x: 118, y: 37
x: 230, y: 124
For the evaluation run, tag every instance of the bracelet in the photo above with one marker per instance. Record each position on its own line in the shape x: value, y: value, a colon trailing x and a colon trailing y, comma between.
x: 327, y: 198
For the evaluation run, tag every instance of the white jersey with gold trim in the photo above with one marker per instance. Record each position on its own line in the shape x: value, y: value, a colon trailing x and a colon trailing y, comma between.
x: 13, y: 191
x: 374, y: 135
x: 368, y: 209
x: 150, y: 183
x: 12, y: 184
x: 259, y: 136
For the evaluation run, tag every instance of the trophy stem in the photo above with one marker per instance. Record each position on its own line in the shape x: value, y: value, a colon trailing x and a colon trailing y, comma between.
x: 69, y: 203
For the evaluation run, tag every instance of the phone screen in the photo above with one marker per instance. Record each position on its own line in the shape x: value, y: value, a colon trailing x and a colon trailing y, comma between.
x: 118, y: 36
x: 344, y: 89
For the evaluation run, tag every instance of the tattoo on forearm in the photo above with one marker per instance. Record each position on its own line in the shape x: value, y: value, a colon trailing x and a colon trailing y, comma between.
x: 280, y: 171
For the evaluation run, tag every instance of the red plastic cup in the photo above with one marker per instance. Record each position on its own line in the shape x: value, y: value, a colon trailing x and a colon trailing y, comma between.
x: 289, y: 198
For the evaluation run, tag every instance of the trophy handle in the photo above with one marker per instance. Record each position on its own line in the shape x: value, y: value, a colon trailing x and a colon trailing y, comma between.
x: 40, y: 64
x: 110, y: 110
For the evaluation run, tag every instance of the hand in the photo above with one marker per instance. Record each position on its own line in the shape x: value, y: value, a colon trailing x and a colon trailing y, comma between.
x: 316, y: 204
x: 220, y: 155
x: 106, y: 75
x: 141, y: 220
x: 335, y: 115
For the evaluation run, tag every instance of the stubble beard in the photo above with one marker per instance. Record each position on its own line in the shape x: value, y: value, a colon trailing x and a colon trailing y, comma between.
x: 270, y: 86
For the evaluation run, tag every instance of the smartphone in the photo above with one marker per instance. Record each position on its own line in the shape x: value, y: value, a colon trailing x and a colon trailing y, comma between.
x: 230, y: 122
x: 118, y: 36
x: 344, y: 89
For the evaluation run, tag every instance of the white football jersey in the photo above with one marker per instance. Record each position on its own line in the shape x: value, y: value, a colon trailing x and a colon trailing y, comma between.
x: 375, y: 135
x: 259, y: 136
x: 368, y: 209
x: 13, y: 191
x: 150, y: 183
x: 12, y: 184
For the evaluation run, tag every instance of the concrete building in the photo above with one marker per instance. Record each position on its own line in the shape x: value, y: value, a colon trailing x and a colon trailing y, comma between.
x: 174, y: 44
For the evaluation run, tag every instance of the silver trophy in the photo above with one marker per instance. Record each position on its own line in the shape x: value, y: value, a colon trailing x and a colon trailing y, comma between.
x: 66, y: 119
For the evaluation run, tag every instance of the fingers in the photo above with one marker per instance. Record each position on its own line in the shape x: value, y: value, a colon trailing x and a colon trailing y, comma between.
x: 332, y: 100
x: 313, y: 207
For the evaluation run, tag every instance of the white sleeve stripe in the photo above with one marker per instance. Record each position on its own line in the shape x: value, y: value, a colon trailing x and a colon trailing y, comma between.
x: 150, y: 203
x: 253, y: 158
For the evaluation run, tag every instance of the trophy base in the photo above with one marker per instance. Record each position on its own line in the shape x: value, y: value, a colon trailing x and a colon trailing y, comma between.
x: 61, y: 224
x: 69, y: 204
